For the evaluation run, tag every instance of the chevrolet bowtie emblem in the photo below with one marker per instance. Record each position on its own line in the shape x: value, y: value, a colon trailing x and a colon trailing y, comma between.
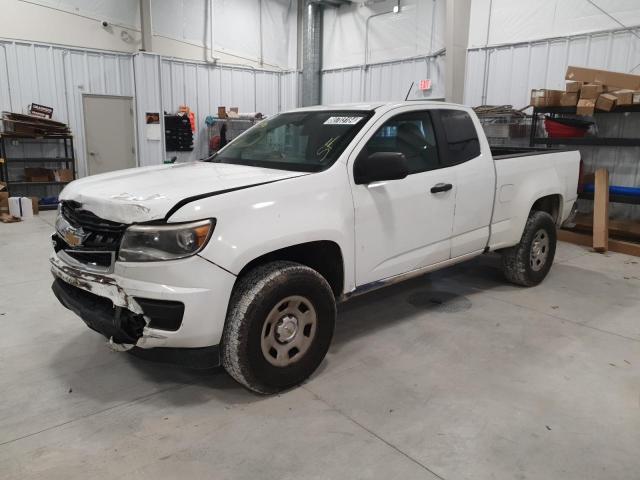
x: 73, y: 236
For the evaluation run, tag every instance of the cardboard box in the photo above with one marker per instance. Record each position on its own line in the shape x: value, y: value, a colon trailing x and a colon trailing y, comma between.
x: 38, y: 174
x: 636, y: 98
x: 611, y: 79
x: 546, y: 98
x: 222, y: 112
x: 585, y: 107
x: 606, y: 102
x: 569, y: 99
x: 63, y: 175
x: 624, y: 97
x: 4, y: 202
x: 4, y: 199
x: 591, y: 91
x: 573, y: 86
x: 36, y: 206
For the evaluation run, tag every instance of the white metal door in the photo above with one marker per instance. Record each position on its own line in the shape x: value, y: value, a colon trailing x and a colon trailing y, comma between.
x: 109, y: 133
x: 401, y: 225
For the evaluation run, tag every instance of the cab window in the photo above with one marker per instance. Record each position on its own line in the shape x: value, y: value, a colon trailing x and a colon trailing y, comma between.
x: 410, y: 134
x: 460, y: 136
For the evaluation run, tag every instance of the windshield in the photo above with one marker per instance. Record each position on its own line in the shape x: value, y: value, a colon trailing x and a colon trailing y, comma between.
x: 299, y: 141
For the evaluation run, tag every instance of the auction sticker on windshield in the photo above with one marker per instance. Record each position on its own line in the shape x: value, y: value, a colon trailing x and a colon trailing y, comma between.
x: 343, y: 120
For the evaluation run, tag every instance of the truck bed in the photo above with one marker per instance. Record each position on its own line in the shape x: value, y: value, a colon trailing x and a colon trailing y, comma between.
x: 520, y: 181
x: 501, y: 152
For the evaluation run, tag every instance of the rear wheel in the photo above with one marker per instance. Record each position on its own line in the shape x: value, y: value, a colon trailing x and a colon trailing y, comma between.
x: 529, y: 262
x: 279, y: 326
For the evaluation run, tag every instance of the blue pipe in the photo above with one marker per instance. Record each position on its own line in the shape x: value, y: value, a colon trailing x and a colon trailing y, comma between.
x: 616, y: 190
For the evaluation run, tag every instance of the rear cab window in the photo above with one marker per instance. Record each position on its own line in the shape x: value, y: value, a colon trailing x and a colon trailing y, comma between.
x: 457, y: 136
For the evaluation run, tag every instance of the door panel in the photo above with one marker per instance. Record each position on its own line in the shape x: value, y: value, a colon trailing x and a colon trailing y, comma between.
x: 474, y: 203
x: 401, y: 225
x: 475, y: 179
x: 109, y: 133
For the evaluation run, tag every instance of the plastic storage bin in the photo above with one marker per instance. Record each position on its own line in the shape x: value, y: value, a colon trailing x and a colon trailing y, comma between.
x: 20, y: 207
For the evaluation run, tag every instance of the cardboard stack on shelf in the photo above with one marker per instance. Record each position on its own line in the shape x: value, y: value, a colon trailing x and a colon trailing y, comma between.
x: 590, y: 89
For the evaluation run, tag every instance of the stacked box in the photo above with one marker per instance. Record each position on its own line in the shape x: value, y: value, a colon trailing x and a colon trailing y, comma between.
x: 573, y: 87
x: 591, y: 91
x: 569, y: 99
x: 585, y: 107
x: 545, y: 98
x: 623, y: 97
x: 606, y: 102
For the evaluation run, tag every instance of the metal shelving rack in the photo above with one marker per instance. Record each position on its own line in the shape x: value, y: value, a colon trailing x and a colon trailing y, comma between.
x: 68, y: 160
x: 585, y: 141
x: 592, y: 141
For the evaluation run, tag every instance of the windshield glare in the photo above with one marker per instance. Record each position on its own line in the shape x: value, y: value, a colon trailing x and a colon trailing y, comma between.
x: 299, y: 141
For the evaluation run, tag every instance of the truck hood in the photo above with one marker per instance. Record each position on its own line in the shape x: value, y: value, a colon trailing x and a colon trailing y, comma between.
x: 149, y: 193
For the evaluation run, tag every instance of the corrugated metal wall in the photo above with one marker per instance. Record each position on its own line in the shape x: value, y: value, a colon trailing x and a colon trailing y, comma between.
x: 513, y: 70
x: 58, y: 77
x: 383, y: 81
x: 290, y: 93
x: 148, y: 99
x: 204, y: 87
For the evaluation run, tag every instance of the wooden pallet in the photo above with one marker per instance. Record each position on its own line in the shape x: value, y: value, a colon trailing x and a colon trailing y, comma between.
x: 585, y: 239
x: 596, y: 232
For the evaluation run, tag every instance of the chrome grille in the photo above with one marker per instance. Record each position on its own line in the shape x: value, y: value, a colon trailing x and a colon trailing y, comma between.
x: 101, y: 234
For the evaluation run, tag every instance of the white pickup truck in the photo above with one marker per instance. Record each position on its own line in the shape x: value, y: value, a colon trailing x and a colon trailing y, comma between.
x: 240, y: 259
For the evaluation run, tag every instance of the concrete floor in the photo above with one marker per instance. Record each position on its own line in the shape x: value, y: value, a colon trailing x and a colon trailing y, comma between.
x: 455, y: 375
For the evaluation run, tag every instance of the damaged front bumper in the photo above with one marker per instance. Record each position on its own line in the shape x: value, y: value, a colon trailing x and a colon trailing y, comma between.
x: 119, y: 325
x: 118, y: 304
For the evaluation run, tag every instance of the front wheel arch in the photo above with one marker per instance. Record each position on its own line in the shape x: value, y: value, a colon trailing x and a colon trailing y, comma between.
x: 323, y: 256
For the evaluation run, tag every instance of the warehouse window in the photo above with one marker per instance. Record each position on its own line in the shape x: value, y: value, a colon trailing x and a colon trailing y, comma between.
x: 460, y: 135
x: 410, y: 134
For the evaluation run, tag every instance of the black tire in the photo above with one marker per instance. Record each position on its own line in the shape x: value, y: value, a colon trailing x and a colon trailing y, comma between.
x: 254, y: 299
x: 517, y: 263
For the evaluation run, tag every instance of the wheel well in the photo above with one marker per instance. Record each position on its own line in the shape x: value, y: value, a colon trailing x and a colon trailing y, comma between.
x: 550, y: 204
x: 324, y: 257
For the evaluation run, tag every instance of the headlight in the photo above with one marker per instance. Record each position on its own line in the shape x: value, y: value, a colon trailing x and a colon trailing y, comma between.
x: 151, y: 243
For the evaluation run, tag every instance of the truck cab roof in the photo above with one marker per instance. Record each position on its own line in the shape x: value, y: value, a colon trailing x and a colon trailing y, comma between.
x: 378, y: 106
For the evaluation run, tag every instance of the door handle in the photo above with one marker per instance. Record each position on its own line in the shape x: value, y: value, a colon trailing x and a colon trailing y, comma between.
x: 441, y: 187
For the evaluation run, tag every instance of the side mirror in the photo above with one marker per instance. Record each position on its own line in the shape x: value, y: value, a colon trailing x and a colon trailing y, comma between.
x: 379, y: 167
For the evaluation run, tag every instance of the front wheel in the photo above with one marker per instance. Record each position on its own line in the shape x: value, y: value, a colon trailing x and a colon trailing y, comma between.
x: 279, y: 326
x: 529, y: 262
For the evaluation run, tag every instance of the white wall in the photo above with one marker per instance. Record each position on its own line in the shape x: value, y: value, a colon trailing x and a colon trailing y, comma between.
x: 399, y: 51
x: 32, y: 21
x: 203, y: 87
x: 517, y: 45
x: 237, y: 28
x: 391, y: 36
x: 58, y: 77
x: 514, y: 21
x: 63, y: 51
x: 179, y: 27
x: 389, y: 81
